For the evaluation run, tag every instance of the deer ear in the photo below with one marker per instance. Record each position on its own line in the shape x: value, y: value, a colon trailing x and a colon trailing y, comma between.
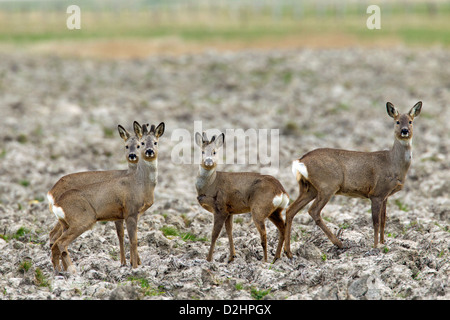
x: 198, y: 139
x: 160, y: 129
x: 138, y: 130
x: 391, y: 110
x: 123, y: 133
x: 415, y: 111
x: 220, y: 140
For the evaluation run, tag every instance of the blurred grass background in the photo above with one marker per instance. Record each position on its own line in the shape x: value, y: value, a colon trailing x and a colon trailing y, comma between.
x: 188, y: 25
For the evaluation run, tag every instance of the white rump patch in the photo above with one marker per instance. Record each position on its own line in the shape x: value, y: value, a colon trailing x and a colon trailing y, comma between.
x: 299, y: 167
x: 280, y: 201
x: 51, y: 201
x: 59, y: 212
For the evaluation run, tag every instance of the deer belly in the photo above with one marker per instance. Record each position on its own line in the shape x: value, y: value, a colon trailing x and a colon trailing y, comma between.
x: 235, y: 208
x: 354, y: 193
x: 110, y: 213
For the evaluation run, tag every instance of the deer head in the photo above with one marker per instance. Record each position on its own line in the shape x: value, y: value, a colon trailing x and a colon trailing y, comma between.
x: 209, y: 149
x: 131, y: 145
x: 149, y: 138
x: 403, y: 122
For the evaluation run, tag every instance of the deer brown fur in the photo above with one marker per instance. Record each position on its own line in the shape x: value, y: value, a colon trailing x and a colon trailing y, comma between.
x: 325, y: 172
x: 80, y: 179
x: 120, y: 198
x: 227, y: 193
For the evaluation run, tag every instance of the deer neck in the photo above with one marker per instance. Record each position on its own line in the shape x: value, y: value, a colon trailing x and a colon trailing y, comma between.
x: 205, y: 178
x: 147, y: 172
x: 132, y: 167
x: 401, y: 156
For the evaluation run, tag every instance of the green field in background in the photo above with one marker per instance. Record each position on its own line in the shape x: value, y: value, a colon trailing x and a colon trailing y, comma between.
x: 419, y: 28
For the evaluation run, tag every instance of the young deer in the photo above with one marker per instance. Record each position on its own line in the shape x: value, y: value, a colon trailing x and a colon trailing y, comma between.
x: 80, y: 179
x: 121, y: 198
x: 322, y: 173
x: 228, y: 193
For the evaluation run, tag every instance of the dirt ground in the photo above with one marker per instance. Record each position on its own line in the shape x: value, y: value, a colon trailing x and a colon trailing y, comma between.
x: 59, y: 115
x: 138, y: 48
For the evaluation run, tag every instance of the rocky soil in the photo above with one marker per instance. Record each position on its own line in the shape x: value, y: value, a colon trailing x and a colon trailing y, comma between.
x: 60, y: 116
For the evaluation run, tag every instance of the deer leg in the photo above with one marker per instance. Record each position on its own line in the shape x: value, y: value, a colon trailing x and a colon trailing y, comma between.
x: 377, y: 204
x: 55, y: 233
x: 303, y: 199
x: 120, y: 235
x: 67, y: 262
x: 61, y: 244
x: 259, y: 223
x: 132, y: 235
x: 315, y: 210
x: 56, y: 257
x: 277, y: 220
x: 382, y: 220
x: 229, y: 228
x: 56, y: 253
x: 219, y: 219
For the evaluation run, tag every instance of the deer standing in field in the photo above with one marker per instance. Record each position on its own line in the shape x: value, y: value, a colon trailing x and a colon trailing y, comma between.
x: 227, y: 193
x: 120, y: 198
x: 80, y: 179
x: 325, y: 172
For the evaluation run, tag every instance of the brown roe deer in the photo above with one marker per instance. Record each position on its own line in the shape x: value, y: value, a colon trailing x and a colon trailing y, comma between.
x: 227, y: 193
x: 325, y: 172
x: 79, y: 179
x: 121, y: 198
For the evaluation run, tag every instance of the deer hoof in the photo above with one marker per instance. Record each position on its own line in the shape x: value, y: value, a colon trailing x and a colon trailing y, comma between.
x: 288, y: 254
x: 71, y: 269
x: 339, y: 244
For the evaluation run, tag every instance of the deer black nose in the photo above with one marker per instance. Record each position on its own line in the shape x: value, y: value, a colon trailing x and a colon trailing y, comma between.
x: 149, y: 153
x: 208, y: 162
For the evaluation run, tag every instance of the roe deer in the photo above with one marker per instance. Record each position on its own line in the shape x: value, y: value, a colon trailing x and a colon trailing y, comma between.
x: 79, y: 179
x: 120, y: 198
x: 228, y: 193
x: 322, y: 173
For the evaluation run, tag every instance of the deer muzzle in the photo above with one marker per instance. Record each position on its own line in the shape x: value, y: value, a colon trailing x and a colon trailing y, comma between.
x: 132, y: 157
x: 208, y: 162
x: 149, y: 153
x: 404, y: 132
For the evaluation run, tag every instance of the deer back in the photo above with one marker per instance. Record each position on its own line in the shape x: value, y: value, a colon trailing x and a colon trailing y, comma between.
x: 346, y: 172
